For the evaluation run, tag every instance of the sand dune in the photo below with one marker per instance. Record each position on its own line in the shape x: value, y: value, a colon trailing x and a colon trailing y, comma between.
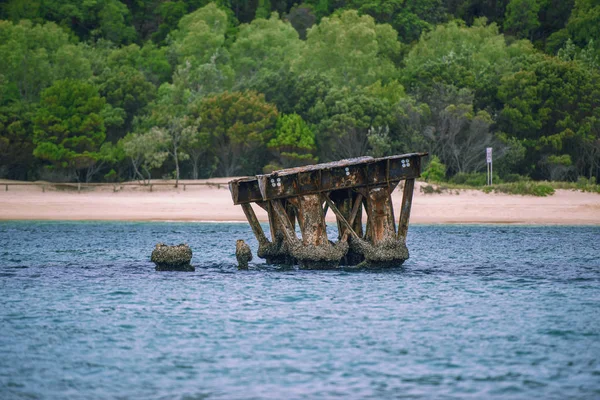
x: 210, y: 203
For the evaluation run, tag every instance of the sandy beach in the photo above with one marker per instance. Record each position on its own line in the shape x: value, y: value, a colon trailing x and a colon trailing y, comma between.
x: 211, y: 203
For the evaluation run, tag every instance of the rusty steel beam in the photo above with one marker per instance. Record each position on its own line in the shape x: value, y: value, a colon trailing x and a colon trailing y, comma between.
x: 284, y: 222
x: 409, y: 186
x: 254, y: 224
x: 340, y: 216
x: 314, y: 179
x: 355, y: 210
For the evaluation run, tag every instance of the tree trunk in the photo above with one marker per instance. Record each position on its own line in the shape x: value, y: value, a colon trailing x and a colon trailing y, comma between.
x: 176, y: 157
x: 195, y: 161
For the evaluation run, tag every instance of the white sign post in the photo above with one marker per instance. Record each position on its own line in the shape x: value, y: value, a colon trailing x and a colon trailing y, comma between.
x: 488, y: 156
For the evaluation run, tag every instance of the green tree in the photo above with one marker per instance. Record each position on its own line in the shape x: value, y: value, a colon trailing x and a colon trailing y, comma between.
x: 351, y: 50
x: 263, y: 9
x: 293, y: 143
x: 69, y: 129
x: 125, y: 88
x: 584, y: 23
x: 33, y: 56
x: 263, y: 48
x: 435, y: 170
x: 16, y: 140
x: 522, y: 18
x: 466, y: 57
x: 146, y: 152
x: 346, y: 119
x: 240, y: 125
x: 108, y: 19
x: 200, y: 35
x: 149, y: 59
x: 550, y: 105
x: 409, y: 17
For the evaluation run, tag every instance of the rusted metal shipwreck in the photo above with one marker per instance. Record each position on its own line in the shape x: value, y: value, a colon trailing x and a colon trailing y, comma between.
x: 304, y: 195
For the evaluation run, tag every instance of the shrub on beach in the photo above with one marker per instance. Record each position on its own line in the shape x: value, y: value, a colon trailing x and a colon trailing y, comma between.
x: 522, y: 188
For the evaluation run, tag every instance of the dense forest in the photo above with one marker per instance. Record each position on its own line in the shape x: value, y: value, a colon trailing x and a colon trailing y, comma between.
x: 109, y: 90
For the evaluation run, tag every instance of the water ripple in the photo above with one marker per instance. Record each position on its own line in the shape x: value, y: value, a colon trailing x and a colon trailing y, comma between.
x: 477, y: 312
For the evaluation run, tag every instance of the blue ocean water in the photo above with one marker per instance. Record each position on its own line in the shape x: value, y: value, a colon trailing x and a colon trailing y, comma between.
x: 500, y: 312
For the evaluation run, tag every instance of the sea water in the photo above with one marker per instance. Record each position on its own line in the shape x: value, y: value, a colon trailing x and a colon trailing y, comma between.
x: 477, y: 312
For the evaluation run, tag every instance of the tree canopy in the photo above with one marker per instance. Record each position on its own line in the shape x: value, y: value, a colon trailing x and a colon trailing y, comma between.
x: 115, y: 89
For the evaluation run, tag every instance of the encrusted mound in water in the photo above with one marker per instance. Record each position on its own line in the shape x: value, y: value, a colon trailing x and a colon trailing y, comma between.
x: 243, y: 254
x: 172, y: 258
x: 327, y: 256
x: 276, y: 252
x: 391, y: 252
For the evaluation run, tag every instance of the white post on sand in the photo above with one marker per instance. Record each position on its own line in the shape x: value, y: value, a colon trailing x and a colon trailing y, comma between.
x: 488, y: 154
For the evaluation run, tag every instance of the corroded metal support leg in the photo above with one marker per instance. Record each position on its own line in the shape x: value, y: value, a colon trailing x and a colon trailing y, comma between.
x: 379, y: 209
x: 275, y: 251
x: 254, y: 224
x: 409, y: 186
x: 382, y: 248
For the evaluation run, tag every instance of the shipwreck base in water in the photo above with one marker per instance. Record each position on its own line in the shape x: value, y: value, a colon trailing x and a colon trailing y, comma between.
x: 351, y: 189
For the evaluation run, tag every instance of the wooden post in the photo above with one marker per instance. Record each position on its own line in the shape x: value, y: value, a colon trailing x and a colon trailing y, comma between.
x: 78, y: 187
x: 409, y: 186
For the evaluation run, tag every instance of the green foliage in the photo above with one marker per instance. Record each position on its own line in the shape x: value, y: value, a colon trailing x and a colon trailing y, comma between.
x: 16, y: 140
x: 409, y: 17
x: 466, y: 57
x: 550, y: 105
x: 346, y: 119
x: 240, y: 125
x: 146, y: 152
x: 34, y: 56
x: 376, y: 77
x: 200, y: 35
x: 522, y: 17
x: 264, y: 48
x: 474, y: 179
x: 293, y: 143
x: 525, y: 188
x: 108, y: 19
x: 435, y: 171
x: 584, y: 23
x: 350, y: 49
x: 127, y: 90
x: 69, y: 129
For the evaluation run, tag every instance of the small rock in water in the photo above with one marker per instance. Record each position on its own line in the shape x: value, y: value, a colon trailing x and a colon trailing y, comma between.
x: 243, y: 254
x: 172, y: 258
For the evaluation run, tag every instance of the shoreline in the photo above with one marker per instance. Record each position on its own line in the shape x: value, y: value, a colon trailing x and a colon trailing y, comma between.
x: 211, y: 204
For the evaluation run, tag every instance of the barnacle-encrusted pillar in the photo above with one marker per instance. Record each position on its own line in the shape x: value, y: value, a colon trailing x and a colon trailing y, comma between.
x: 381, y: 246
